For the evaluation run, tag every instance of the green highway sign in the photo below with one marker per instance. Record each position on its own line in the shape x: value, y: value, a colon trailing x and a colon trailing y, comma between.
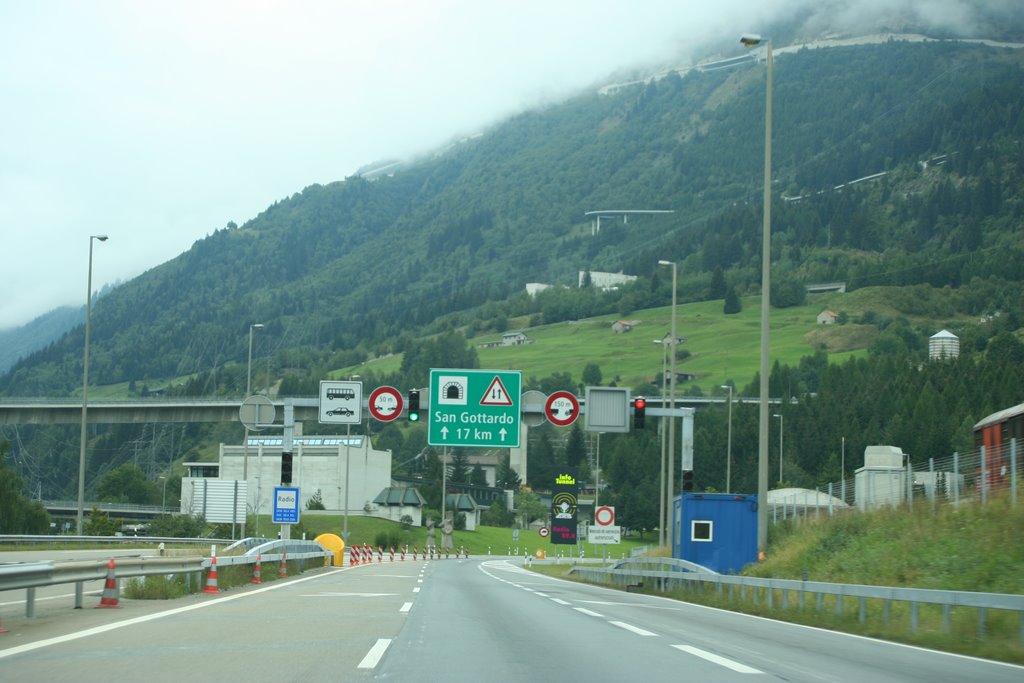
x: 475, y: 408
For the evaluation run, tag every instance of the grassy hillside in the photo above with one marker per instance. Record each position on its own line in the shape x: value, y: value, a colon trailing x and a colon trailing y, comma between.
x: 722, y: 347
x: 970, y: 548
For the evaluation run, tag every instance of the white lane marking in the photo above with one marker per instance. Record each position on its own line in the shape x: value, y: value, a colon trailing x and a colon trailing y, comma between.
x: 589, y: 613
x: 406, y: 607
x: 373, y: 657
x: 416, y: 589
x: 28, y: 647
x: 347, y: 595
x: 419, y: 580
x: 718, y: 659
x: 633, y: 629
x: 558, y: 600
x: 543, y: 595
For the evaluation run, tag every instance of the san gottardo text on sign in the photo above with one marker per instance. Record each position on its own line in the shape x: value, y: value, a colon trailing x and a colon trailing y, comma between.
x: 474, y: 408
x: 564, y: 500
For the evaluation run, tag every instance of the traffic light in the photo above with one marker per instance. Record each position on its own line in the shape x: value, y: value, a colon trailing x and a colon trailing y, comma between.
x: 414, y: 405
x: 639, y: 412
x: 286, y: 468
x: 687, y: 480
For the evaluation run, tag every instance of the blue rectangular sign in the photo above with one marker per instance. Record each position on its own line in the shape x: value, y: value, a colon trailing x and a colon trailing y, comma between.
x: 286, y: 505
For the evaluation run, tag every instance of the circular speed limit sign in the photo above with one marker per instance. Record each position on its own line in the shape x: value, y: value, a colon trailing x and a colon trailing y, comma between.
x: 562, y: 408
x: 543, y: 531
x: 385, y: 403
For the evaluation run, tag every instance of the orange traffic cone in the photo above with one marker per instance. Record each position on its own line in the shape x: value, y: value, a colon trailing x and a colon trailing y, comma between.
x: 211, y: 578
x: 283, y: 571
x: 256, y: 572
x: 109, y: 598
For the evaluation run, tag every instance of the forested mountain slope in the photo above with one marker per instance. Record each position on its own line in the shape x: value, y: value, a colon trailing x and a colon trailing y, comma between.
x: 355, y: 263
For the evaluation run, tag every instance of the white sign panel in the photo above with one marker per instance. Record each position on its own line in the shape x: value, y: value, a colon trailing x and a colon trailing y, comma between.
x: 219, y: 500
x: 604, y: 534
x: 341, y: 402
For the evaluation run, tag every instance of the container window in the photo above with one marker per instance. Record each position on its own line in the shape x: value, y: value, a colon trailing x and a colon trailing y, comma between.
x: 701, y: 531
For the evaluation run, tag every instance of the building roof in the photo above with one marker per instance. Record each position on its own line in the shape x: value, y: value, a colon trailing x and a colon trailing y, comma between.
x: 463, y: 502
x: 400, y: 495
x: 803, y: 498
x: 944, y: 334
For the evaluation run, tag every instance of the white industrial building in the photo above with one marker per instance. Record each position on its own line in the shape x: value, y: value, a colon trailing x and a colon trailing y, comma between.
x: 320, y: 463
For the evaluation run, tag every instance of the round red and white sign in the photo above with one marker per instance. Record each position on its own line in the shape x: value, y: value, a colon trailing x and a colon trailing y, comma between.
x: 385, y: 403
x: 562, y: 408
x: 543, y: 531
x: 604, y: 516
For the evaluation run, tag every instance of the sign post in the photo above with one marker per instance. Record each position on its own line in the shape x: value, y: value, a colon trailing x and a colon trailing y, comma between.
x: 474, y: 408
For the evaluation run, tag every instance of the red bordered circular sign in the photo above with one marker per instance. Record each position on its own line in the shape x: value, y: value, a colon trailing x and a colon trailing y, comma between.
x: 604, y: 515
x: 385, y: 403
x: 562, y: 408
x: 543, y: 531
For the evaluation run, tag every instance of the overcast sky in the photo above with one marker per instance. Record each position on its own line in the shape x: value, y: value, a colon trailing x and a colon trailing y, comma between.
x: 157, y: 123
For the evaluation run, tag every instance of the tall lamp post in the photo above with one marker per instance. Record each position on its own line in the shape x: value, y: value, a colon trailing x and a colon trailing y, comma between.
x: 728, y: 447
x: 766, y: 259
x: 661, y: 476
x: 245, y: 443
x: 779, y: 415
x: 85, y: 390
x: 672, y: 405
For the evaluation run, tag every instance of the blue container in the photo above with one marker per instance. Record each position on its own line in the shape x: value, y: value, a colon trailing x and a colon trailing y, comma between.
x: 716, y: 530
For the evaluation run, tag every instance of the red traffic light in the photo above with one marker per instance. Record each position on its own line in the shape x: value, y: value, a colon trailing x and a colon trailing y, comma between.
x: 640, y: 403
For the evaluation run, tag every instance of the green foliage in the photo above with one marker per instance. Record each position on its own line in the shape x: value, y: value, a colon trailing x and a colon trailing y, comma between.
x: 498, y: 514
x: 127, y: 484
x: 178, y: 526
x: 98, y: 523
x: 18, y: 514
x: 529, y: 508
x: 316, y: 501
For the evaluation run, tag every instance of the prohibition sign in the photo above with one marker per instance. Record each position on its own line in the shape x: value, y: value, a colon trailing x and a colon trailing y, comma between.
x: 543, y: 531
x: 604, y: 516
x: 562, y: 408
x: 385, y: 403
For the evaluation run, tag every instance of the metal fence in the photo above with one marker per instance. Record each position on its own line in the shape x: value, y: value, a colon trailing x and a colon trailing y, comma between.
x: 32, y: 575
x: 667, y: 574
x: 973, y: 477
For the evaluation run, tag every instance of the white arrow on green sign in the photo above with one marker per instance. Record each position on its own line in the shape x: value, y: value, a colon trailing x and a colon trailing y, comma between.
x: 475, y: 408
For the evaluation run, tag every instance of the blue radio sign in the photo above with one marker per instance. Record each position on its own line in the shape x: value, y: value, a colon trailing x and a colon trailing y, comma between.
x: 286, y: 505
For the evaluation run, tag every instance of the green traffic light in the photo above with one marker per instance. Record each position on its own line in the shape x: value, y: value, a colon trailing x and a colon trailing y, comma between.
x: 414, y: 417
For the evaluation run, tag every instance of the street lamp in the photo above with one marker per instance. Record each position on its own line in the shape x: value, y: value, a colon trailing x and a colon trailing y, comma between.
x: 780, y: 447
x: 85, y: 389
x: 661, y: 479
x: 766, y: 258
x: 672, y: 405
x: 163, y: 502
x: 728, y: 448
x: 245, y: 443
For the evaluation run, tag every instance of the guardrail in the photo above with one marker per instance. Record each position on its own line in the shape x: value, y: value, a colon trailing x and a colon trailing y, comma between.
x: 667, y: 574
x: 32, y: 575
x: 11, y: 539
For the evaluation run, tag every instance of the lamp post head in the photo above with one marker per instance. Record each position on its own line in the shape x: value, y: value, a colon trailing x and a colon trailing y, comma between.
x: 101, y: 238
x: 751, y: 39
x: 777, y: 415
x: 666, y: 263
x: 257, y: 326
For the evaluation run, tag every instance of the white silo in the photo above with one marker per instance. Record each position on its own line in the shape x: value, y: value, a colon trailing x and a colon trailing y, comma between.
x: 943, y: 344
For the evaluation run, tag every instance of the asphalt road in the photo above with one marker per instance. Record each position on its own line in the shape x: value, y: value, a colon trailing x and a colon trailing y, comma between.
x: 447, y: 620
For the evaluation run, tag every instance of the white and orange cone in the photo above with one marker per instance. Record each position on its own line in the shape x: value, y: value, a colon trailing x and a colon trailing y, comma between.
x: 110, y: 593
x: 256, y: 571
x: 211, y: 578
